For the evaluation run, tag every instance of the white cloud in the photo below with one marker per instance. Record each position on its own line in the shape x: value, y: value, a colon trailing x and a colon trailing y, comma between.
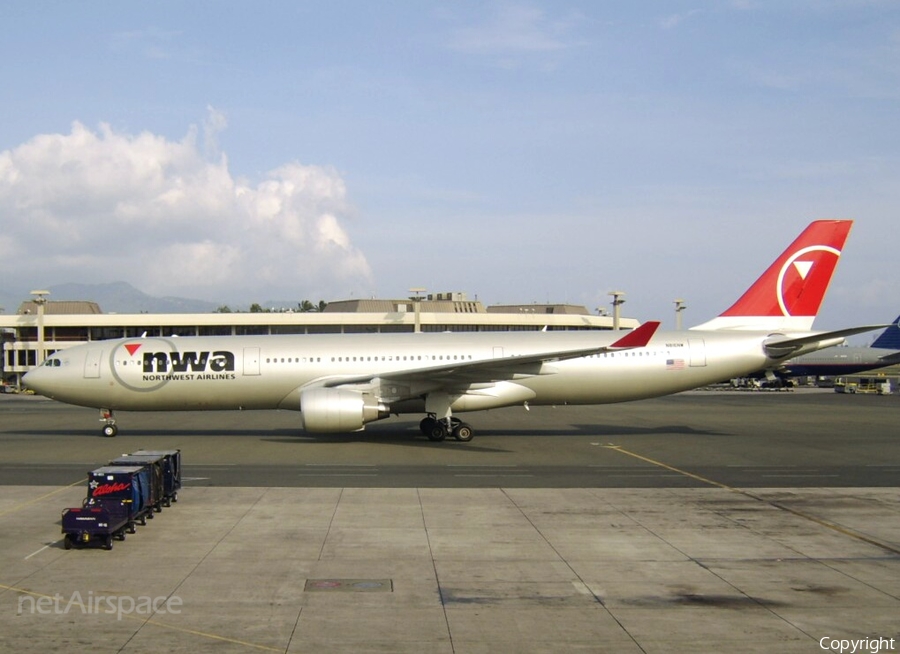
x: 514, y: 31
x: 674, y: 20
x: 214, y: 123
x: 98, y: 206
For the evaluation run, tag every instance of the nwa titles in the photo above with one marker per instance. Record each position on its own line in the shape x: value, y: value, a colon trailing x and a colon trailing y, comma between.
x: 159, y: 361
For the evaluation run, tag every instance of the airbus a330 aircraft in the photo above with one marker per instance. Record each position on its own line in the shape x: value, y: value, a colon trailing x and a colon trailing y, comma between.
x: 340, y: 382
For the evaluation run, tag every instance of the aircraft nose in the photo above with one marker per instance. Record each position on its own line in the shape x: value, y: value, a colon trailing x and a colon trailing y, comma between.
x: 28, y: 379
x: 33, y: 380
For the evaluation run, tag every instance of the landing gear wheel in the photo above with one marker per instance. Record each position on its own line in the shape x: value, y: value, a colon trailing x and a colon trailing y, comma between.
x: 109, y: 423
x: 427, y: 425
x: 438, y: 432
x: 463, y: 432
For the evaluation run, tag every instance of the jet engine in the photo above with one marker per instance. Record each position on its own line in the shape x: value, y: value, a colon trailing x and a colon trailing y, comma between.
x: 338, y: 410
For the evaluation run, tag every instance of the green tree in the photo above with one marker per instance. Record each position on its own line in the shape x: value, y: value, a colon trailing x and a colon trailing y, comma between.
x: 308, y: 307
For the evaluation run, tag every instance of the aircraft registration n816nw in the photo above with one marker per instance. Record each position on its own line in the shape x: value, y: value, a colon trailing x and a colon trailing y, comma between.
x: 340, y: 382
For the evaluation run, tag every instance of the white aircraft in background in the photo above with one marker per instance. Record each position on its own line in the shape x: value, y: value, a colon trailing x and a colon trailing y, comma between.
x: 340, y: 382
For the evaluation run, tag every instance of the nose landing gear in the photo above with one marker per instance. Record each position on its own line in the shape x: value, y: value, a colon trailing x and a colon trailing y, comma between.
x: 109, y: 428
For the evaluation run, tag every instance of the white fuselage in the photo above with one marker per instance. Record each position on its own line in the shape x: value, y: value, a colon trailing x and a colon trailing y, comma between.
x: 268, y: 372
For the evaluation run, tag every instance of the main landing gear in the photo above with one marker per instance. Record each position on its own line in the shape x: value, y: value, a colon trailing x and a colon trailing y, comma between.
x: 437, y: 430
x: 109, y: 429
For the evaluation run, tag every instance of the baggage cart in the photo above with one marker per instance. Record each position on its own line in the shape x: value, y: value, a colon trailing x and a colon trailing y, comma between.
x: 115, y: 501
x: 129, y: 485
x: 171, y: 469
x: 154, y: 467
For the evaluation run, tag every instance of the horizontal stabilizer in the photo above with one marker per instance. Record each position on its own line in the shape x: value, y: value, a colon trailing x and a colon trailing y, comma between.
x: 782, y: 346
x: 890, y: 359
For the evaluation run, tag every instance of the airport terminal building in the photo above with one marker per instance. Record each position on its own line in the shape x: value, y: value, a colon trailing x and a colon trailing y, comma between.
x: 39, y: 329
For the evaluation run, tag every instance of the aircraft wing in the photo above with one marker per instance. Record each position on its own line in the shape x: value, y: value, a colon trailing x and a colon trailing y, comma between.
x: 491, y: 370
x: 779, y: 346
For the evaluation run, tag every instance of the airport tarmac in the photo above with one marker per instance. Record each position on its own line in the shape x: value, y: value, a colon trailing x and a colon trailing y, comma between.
x: 700, y: 522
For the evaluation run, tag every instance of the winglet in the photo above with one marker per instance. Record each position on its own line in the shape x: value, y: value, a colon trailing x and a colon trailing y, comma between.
x: 637, y: 337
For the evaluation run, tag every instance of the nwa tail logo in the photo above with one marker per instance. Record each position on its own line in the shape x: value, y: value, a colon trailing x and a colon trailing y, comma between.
x: 803, y: 279
x: 795, y: 284
x: 171, y: 362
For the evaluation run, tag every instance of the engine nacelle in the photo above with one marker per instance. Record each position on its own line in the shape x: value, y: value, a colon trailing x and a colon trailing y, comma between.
x: 338, y: 410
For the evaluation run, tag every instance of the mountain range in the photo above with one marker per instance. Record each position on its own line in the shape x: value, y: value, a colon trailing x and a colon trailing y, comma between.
x: 115, y: 297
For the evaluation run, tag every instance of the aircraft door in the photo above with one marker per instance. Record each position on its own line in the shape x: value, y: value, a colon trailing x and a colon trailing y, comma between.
x: 92, y: 364
x: 697, y: 347
x: 251, y: 361
x: 498, y: 352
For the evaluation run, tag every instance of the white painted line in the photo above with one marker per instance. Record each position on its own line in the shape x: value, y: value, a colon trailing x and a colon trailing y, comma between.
x: 37, y: 552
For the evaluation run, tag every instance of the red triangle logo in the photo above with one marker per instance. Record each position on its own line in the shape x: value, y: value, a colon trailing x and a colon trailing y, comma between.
x: 132, y: 348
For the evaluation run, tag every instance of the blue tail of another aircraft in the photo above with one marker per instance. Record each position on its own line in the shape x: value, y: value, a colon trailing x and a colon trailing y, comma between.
x: 890, y: 337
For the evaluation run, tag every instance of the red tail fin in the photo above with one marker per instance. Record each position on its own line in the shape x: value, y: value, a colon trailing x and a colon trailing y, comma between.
x: 788, y: 295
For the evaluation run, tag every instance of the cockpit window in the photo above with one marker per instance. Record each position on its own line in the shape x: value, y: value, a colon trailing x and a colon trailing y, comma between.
x: 52, y: 363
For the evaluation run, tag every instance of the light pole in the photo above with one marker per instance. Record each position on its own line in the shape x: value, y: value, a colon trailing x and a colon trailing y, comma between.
x: 679, y: 307
x: 616, y: 303
x: 40, y: 299
x: 417, y: 297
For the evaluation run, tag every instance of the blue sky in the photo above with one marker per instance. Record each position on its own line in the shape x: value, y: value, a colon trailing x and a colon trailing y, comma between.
x: 516, y: 151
